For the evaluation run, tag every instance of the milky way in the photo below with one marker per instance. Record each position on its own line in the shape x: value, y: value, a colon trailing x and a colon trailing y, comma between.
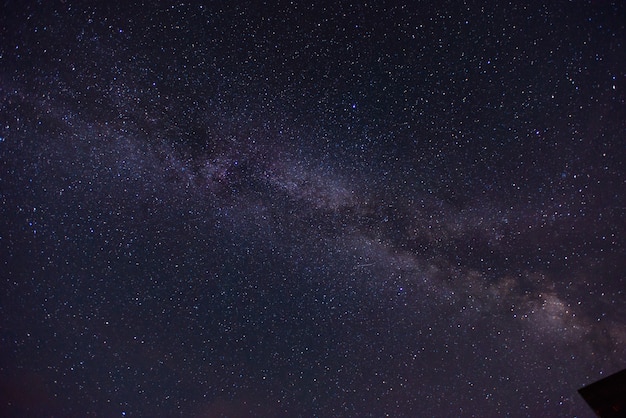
x: 334, y: 210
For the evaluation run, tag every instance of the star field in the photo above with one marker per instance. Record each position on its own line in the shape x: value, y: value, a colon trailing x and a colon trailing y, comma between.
x: 293, y: 209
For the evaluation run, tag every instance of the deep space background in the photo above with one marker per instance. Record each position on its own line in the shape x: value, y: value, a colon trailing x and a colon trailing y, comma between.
x: 311, y: 209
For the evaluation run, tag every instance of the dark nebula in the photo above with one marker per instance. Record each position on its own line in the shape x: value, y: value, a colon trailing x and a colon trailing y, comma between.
x: 339, y: 209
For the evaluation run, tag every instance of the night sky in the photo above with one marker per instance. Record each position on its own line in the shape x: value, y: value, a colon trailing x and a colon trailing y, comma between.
x: 290, y: 209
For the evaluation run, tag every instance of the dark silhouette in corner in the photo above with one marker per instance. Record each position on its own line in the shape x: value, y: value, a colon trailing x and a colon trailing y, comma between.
x: 607, y: 397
